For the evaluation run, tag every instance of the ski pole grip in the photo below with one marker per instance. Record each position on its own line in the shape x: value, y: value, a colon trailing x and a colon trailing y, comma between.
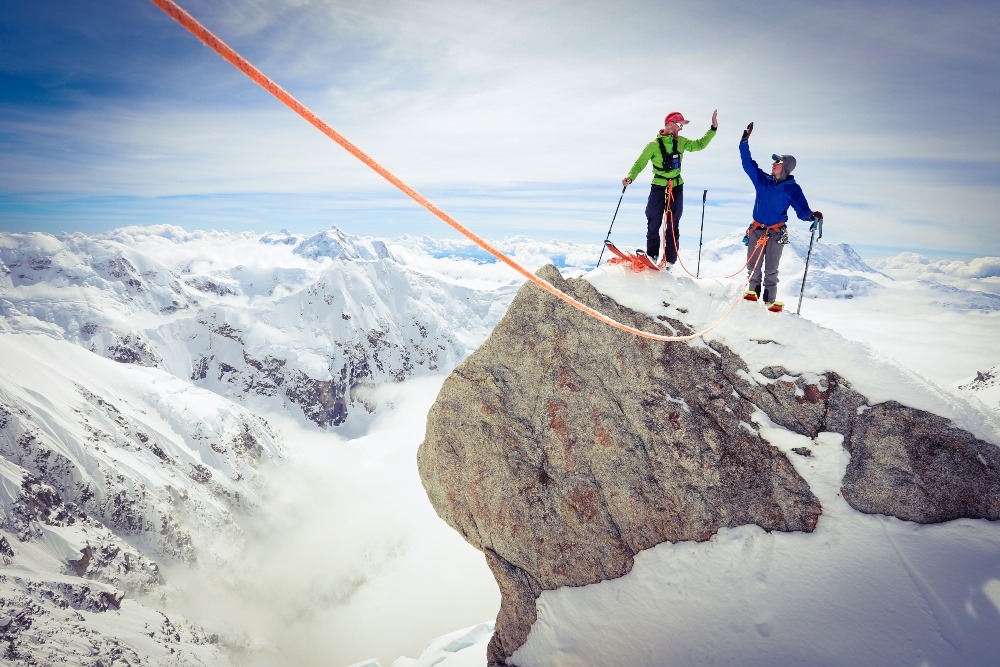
x: 704, y: 196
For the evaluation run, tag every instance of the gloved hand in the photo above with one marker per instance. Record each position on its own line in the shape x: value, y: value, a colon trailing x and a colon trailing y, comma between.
x: 746, y: 132
x: 817, y: 218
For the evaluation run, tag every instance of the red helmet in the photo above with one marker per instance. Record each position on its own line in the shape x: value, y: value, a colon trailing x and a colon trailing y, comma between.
x: 675, y: 117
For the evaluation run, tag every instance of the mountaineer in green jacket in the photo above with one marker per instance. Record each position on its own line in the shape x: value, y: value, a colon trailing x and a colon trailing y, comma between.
x: 665, y: 154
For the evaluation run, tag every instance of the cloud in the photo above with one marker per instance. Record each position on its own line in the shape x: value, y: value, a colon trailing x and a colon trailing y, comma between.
x: 981, y: 273
x: 346, y: 554
x: 911, y: 264
x: 505, y: 97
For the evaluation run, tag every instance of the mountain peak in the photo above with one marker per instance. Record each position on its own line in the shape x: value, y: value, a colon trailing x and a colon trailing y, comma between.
x: 335, y: 244
x: 563, y: 447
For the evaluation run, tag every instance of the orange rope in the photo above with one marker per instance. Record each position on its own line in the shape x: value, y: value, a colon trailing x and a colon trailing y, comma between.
x: 202, y: 33
x: 758, y: 247
x: 668, y: 215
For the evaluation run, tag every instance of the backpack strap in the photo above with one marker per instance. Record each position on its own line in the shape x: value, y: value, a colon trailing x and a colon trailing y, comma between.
x: 671, y: 159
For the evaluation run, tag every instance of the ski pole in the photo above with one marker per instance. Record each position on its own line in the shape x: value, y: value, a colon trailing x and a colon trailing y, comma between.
x: 612, y: 225
x: 819, y: 223
x: 704, y: 196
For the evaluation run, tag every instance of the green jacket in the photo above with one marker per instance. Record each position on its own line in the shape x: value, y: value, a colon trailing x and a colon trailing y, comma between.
x: 651, y: 153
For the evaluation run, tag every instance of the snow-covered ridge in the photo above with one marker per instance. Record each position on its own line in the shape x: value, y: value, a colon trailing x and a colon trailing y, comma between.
x: 108, y: 473
x: 298, y: 321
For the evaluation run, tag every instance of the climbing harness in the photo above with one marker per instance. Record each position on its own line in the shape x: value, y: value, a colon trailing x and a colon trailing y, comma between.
x: 779, y: 228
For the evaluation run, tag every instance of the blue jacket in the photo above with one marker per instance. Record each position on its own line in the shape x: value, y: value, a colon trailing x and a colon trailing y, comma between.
x: 773, y: 196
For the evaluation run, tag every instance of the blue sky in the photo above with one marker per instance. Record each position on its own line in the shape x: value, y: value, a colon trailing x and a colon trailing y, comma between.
x: 515, y: 118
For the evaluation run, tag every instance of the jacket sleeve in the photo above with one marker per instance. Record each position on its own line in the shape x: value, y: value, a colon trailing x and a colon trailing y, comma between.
x: 640, y: 163
x: 697, y: 144
x: 755, y: 173
x: 799, y: 203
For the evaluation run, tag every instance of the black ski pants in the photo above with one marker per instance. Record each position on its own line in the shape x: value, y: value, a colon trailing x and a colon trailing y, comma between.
x: 655, y: 206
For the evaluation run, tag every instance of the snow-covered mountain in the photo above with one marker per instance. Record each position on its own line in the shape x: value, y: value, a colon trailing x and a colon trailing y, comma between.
x: 305, y: 323
x: 137, y: 367
x: 985, y: 385
x: 131, y: 364
x: 108, y: 473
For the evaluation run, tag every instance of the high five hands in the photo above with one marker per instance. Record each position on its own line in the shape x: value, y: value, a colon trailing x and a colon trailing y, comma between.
x: 747, y: 132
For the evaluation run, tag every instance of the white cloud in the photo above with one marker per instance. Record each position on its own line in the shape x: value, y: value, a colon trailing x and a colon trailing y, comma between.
x: 981, y: 273
x: 451, y: 95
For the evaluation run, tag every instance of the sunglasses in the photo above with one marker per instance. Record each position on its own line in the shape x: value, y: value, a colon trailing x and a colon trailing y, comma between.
x: 778, y: 159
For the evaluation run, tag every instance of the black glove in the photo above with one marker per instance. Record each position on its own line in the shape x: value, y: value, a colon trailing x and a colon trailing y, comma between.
x: 746, y: 132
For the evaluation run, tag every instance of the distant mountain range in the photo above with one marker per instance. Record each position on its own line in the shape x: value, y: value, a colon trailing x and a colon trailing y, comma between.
x: 301, y: 322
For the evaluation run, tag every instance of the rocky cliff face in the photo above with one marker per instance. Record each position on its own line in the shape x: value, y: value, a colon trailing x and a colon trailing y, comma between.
x: 563, y: 447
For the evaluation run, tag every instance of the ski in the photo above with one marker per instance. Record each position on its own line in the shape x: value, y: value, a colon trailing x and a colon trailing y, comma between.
x: 614, y: 250
x: 646, y: 261
x: 639, y: 261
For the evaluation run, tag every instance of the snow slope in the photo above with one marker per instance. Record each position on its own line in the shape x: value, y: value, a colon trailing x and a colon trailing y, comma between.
x: 327, y: 552
x: 109, y: 473
x: 861, y: 589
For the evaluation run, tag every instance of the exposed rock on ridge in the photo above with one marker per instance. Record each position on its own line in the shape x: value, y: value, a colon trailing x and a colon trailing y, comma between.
x: 563, y: 447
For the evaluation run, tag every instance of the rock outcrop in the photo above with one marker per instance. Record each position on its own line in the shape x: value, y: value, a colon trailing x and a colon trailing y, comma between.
x: 563, y: 447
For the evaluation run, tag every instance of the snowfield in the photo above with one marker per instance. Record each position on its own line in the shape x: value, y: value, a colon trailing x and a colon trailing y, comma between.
x: 290, y: 542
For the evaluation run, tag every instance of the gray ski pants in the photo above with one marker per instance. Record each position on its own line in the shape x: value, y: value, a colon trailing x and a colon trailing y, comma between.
x: 768, y: 265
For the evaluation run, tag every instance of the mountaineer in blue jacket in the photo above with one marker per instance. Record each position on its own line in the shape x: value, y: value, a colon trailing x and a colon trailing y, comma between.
x: 775, y: 193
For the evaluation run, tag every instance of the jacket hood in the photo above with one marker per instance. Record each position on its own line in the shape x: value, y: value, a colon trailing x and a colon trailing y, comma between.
x: 788, y: 165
